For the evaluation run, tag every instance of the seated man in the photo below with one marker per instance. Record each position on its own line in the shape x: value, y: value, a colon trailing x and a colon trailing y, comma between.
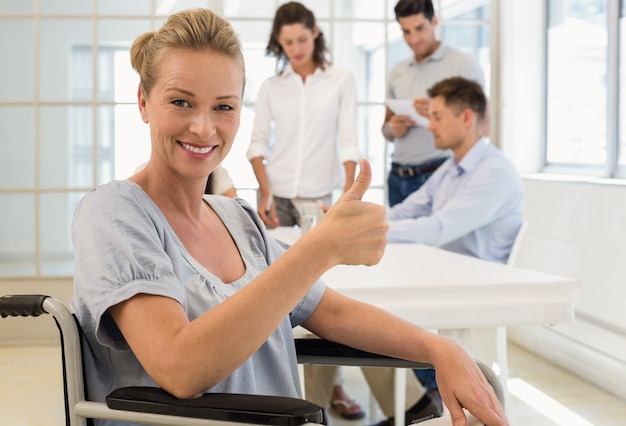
x: 471, y: 205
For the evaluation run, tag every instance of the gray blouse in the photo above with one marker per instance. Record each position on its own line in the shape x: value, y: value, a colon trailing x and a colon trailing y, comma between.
x: 124, y: 246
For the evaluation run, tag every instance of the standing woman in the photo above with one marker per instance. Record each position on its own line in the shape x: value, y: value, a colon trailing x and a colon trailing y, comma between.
x: 306, y: 117
x: 305, y: 125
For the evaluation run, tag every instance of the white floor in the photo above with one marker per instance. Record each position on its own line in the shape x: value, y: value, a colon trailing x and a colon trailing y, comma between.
x: 31, y: 392
x: 543, y: 395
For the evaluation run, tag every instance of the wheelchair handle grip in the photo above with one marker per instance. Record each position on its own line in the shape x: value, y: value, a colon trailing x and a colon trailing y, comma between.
x: 25, y: 305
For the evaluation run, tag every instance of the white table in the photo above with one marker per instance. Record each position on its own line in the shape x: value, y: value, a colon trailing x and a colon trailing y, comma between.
x: 461, y: 296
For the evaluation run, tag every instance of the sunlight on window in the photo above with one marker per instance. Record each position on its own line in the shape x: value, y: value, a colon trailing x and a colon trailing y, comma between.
x: 165, y: 7
x: 89, y: 127
x: 544, y: 404
x: 577, y: 52
x: 125, y: 78
x: 131, y: 134
x: 622, y: 87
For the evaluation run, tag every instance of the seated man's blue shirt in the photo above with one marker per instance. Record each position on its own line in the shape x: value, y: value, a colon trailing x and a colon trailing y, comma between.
x: 474, y: 207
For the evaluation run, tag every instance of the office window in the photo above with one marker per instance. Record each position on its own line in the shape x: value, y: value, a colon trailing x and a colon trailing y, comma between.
x: 69, y: 120
x: 577, y: 46
x: 621, y: 104
x: 585, y: 87
x: 466, y: 27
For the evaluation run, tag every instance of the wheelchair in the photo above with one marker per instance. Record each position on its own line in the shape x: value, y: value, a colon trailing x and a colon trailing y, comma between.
x: 154, y: 406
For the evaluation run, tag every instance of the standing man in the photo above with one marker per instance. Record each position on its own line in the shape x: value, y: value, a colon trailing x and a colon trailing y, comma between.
x: 415, y: 157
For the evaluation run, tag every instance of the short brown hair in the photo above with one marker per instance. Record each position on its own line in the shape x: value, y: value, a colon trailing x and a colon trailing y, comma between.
x: 460, y: 93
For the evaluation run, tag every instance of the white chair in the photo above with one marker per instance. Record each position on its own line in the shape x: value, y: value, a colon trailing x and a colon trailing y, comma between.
x: 517, y: 244
x: 501, y: 339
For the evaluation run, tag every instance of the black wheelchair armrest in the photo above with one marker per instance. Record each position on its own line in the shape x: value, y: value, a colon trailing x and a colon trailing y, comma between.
x: 258, y: 409
x: 242, y: 408
x: 325, y: 352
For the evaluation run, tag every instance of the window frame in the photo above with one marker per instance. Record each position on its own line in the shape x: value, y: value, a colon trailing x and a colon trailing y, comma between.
x: 611, y: 168
x: 40, y: 191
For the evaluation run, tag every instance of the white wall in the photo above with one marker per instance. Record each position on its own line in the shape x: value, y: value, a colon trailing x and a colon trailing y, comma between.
x: 576, y: 226
x: 576, y: 230
x: 522, y: 70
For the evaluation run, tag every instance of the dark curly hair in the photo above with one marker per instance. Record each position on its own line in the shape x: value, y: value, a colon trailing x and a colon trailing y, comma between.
x: 289, y: 14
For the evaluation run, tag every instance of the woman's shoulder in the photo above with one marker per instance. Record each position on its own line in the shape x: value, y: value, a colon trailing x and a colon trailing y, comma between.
x: 237, y: 208
x: 114, y: 197
x: 114, y: 190
x: 241, y: 218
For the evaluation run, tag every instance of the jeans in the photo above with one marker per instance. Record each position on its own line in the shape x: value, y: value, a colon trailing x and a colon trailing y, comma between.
x: 401, y: 187
x: 427, y: 378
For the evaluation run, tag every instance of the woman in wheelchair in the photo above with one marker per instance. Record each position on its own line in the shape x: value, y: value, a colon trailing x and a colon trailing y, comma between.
x: 188, y: 292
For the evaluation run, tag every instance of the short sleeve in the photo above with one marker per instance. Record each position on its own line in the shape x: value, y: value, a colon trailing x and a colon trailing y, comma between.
x: 120, y: 250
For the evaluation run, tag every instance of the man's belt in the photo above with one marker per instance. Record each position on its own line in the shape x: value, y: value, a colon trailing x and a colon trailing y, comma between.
x: 411, y: 171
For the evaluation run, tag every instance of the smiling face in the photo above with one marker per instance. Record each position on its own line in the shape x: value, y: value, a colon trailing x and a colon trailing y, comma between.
x: 419, y: 34
x: 298, y: 43
x: 193, y: 110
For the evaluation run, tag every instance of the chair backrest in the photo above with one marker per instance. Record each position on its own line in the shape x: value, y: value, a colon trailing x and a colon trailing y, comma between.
x: 517, y: 244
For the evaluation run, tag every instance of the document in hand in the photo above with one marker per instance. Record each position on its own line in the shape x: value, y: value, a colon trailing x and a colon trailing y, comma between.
x: 405, y: 107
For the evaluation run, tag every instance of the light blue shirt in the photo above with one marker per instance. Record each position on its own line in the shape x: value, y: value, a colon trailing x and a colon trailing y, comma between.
x: 473, y: 207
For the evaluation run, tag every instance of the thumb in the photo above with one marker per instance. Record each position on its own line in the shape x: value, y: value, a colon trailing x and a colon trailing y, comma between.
x: 361, y: 183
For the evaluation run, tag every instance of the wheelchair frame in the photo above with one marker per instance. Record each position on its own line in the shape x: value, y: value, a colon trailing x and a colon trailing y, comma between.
x: 157, y: 407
